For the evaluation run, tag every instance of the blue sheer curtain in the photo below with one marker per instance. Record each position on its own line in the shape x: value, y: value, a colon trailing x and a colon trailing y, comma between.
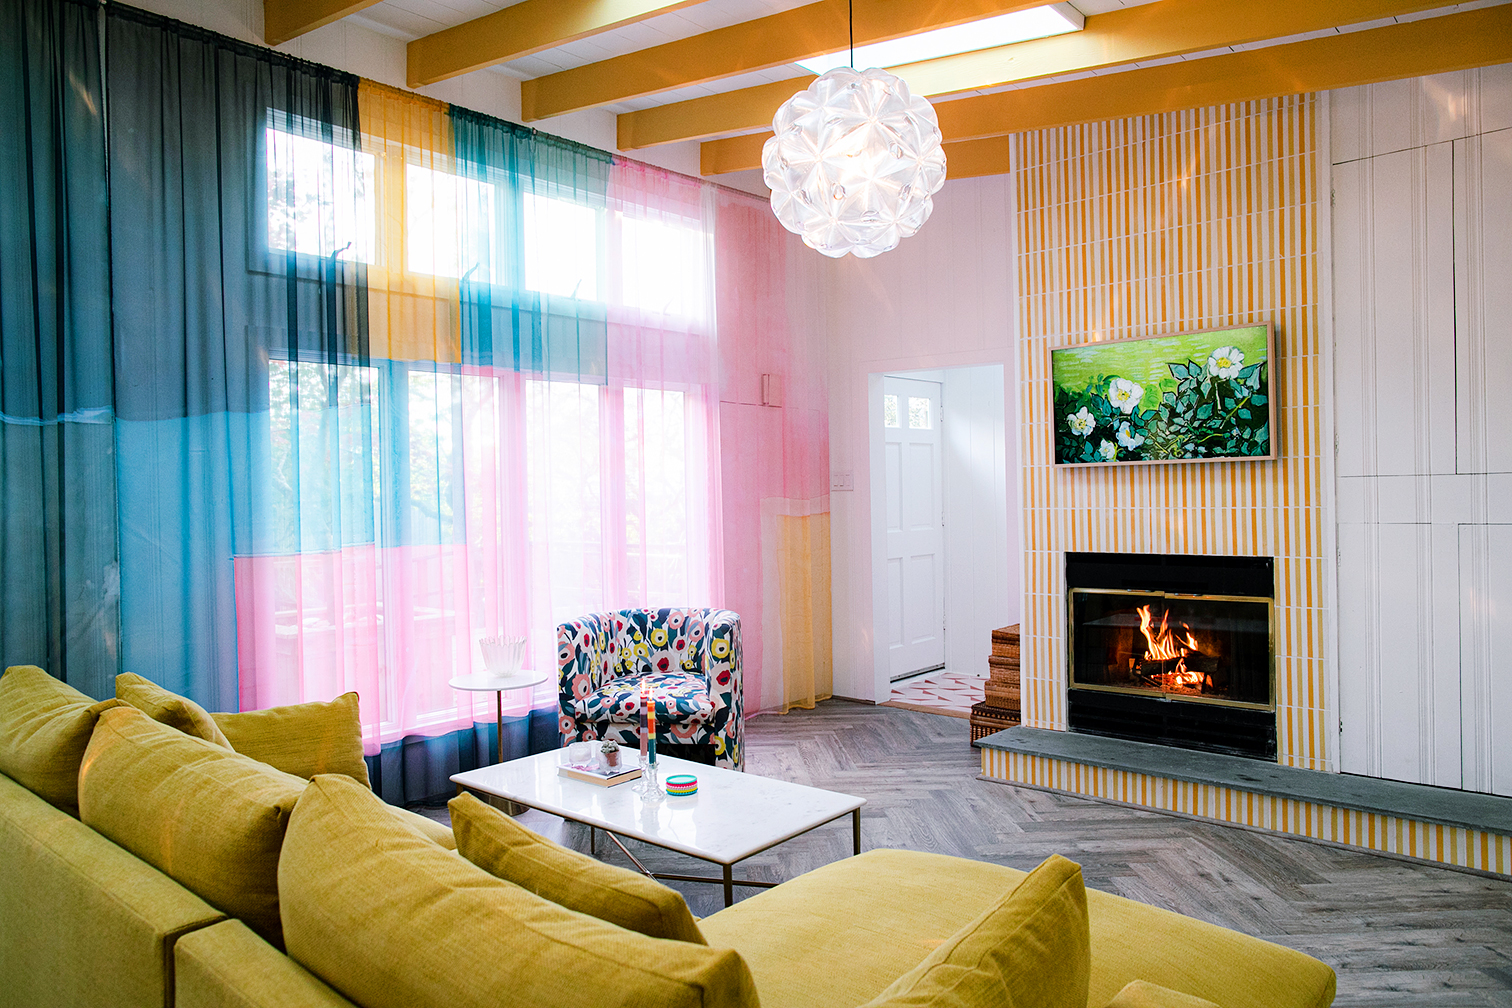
x: 58, y: 571
x: 219, y: 268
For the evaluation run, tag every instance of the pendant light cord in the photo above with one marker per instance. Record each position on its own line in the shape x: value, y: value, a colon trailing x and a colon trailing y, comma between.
x: 850, y: 17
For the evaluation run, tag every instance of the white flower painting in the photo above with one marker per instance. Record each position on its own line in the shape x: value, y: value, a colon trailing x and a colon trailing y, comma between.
x: 1124, y: 395
x: 1185, y: 397
x: 1225, y: 362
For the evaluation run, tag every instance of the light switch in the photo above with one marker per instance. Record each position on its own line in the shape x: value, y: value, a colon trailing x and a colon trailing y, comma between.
x: 842, y: 481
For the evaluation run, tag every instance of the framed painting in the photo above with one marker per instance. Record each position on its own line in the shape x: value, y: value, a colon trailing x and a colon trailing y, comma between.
x: 1185, y: 397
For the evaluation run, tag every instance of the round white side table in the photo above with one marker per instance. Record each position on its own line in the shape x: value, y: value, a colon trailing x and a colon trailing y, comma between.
x: 499, y: 685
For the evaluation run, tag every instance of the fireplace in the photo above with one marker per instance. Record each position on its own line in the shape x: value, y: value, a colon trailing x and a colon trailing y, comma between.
x: 1173, y: 649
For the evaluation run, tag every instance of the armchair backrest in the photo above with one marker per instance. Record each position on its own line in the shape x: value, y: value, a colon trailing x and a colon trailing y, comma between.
x: 605, y: 646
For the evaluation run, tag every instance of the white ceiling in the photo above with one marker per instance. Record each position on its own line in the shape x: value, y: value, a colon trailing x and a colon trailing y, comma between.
x: 410, y: 19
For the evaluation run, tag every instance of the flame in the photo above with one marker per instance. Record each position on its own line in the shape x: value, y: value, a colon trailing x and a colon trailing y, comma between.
x: 1166, y: 646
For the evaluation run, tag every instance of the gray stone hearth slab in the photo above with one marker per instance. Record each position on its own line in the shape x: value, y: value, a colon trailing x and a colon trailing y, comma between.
x: 1367, y: 794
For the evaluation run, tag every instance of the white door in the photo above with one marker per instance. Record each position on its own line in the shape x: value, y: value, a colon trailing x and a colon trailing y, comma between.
x: 910, y: 416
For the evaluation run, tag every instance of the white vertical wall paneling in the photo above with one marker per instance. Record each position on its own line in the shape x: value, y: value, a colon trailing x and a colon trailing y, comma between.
x: 1395, y: 330
x: 1422, y: 254
x: 1483, y: 298
x: 1486, y: 653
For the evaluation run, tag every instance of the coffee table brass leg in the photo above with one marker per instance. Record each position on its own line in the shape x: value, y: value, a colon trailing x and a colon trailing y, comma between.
x: 856, y: 829
x: 729, y: 884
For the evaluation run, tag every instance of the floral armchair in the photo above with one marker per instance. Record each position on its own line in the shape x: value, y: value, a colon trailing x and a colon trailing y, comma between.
x: 691, y: 658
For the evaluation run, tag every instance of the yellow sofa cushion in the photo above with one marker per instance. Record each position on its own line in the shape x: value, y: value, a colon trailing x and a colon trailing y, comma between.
x: 301, y: 739
x: 505, y: 849
x: 210, y: 819
x: 169, y: 708
x: 44, y: 727
x: 1143, y: 994
x: 1032, y: 950
x: 847, y: 910
x: 391, y: 920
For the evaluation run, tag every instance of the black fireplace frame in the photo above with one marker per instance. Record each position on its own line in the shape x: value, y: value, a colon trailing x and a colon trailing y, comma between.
x: 1180, y: 720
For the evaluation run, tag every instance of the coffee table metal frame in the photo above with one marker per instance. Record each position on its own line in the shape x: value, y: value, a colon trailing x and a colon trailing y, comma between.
x: 728, y: 805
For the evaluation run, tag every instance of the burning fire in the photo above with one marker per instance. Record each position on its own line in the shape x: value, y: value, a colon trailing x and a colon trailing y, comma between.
x: 1166, y: 646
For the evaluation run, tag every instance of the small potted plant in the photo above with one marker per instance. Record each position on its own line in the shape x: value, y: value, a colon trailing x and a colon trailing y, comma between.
x: 610, y: 750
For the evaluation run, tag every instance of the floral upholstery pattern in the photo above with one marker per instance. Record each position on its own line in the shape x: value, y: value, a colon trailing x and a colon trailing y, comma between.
x: 691, y: 658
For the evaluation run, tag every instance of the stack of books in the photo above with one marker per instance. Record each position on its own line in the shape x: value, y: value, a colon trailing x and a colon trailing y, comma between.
x: 1001, y: 707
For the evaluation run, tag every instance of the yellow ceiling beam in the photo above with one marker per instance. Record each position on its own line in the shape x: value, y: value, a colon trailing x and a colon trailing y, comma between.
x: 287, y: 19
x: 1418, y: 48
x: 812, y: 30
x: 1129, y: 35
x: 710, y: 116
x: 520, y: 30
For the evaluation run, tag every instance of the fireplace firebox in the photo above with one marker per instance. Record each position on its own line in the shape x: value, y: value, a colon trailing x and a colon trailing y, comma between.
x: 1173, y: 649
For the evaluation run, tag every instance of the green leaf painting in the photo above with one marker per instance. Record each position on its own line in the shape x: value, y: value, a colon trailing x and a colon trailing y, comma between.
x: 1182, y: 398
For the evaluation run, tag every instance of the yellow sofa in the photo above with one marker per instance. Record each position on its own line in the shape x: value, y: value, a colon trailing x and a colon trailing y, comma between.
x: 379, y: 904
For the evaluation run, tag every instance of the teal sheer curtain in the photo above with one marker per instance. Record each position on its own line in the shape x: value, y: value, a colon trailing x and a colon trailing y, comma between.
x: 507, y: 321
x: 218, y: 273
x: 58, y: 572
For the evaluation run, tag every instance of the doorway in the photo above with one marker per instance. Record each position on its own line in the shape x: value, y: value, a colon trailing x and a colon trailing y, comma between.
x: 941, y: 533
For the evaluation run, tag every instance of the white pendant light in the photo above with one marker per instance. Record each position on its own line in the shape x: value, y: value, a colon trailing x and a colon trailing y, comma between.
x: 853, y: 162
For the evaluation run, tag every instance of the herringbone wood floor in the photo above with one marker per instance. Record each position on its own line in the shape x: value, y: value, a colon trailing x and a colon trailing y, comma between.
x: 1398, y: 934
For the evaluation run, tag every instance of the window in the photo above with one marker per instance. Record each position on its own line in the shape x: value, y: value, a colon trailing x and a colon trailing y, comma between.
x: 561, y: 248
x: 320, y: 192
x: 662, y: 267
x: 918, y: 413
x: 324, y: 455
x: 450, y: 225
x: 890, y: 411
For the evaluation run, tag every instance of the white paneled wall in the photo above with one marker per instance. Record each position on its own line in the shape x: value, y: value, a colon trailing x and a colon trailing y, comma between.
x: 1422, y: 264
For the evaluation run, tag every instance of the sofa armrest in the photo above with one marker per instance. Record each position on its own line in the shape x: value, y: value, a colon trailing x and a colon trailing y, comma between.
x: 228, y: 966
x: 82, y: 921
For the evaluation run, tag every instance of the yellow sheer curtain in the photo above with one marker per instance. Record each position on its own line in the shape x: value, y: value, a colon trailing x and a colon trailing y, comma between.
x: 798, y: 620
x: 413, y: 305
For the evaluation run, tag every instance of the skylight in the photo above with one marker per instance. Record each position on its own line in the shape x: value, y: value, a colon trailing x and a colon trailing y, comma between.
x: 988, y: 33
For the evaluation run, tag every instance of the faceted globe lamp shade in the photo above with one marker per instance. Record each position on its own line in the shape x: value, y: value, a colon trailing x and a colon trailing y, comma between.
x: 853, y: 163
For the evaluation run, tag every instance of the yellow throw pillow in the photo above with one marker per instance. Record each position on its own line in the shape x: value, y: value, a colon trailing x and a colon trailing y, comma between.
x: 1143, y: 994
x: 1032, y: 950
x: 391, y: 920
x: 301, y: 739
x: 44, y: 726
x: 168, y: 708
x: 211, y: 820
x: 505, y: 849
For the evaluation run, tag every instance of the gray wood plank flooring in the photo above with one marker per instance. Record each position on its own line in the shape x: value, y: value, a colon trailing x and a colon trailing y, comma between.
x: 1398, y: 934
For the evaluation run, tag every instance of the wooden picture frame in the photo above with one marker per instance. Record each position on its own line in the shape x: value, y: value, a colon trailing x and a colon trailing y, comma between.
x: 1205, y: 395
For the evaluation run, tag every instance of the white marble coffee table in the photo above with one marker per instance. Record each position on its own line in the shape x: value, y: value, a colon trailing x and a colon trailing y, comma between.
x: 733, y: 816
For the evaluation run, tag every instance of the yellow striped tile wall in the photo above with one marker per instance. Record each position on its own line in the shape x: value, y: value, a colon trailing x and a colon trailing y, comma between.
x: 1433, y: 842
x: 1163, y: 223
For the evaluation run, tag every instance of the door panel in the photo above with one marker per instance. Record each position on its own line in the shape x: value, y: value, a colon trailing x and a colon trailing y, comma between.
x: 910, y: 417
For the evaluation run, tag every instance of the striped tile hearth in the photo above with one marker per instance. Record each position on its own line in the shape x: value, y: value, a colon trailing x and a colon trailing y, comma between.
x: 949, y: 693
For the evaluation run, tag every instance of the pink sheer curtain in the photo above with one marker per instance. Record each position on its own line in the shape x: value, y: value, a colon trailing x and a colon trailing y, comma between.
x: 454, y: 501
x: 774, y: 451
